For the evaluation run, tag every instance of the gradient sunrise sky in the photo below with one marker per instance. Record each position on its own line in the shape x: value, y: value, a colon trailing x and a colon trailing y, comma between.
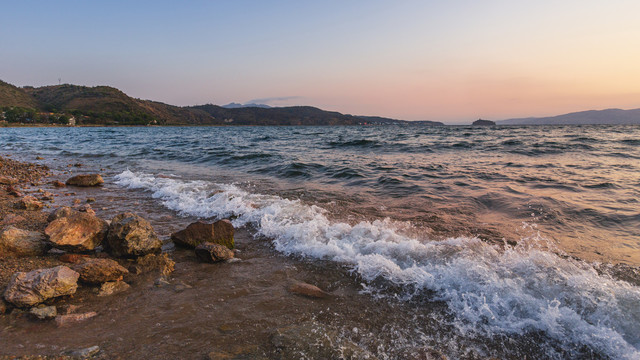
x: 451, y: 61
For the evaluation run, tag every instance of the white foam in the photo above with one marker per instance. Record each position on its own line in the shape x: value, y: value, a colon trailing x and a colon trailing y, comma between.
x: 490, y: 290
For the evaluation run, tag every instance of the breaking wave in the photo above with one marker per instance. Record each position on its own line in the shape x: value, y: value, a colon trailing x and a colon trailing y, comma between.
x: 489, y: 289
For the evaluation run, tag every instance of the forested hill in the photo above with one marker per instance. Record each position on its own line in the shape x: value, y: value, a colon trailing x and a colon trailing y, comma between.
x: 104, y: 105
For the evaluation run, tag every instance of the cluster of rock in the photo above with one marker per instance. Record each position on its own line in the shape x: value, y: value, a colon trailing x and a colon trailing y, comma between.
x: 128, y: 235
x: 86, y: 242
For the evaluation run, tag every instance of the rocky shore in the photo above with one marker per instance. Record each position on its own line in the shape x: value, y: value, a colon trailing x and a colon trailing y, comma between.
x: 57, y: 262
x: 48, y: 257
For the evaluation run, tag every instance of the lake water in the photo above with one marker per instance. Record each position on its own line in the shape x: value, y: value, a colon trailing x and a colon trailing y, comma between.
x: 521, y: 232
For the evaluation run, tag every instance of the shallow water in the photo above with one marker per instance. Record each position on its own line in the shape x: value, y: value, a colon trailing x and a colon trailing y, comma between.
x: 495, y: 228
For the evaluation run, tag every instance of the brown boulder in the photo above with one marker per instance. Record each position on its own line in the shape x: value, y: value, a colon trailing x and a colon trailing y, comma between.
x: 210, y: 252
x: 130, y: 235
x: 58, y: 184
x: 98, y: 271
x: 19, y: 243
x: 28, y: 289
x: 30, y: 203
x: 220, y: 232
x: 86, y: 180
x: 308, y: 290
x: 76, y: 232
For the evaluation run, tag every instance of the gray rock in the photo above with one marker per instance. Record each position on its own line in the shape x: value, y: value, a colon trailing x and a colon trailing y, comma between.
x: 28, y: 289
x: 19, y: 243
x: 130, y: 235
x: 44, y: 312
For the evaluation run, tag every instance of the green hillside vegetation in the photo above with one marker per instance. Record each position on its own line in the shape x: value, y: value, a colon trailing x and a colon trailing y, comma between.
x: 294, y: 115
x: 14, y: 96
x: 104, y: 105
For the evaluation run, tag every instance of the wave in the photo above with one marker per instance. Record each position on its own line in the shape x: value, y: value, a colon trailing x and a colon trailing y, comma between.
x: 489, y: 289
x: 365, y: 143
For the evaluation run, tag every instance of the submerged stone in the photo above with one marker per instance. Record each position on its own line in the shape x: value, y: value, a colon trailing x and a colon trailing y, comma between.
x: 210, y: 252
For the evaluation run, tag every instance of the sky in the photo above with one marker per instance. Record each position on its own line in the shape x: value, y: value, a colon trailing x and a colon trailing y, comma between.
x: 451, y: 61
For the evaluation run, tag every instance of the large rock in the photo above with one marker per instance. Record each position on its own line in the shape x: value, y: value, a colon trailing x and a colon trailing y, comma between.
x: 210, y: 252
x: 28, y: 289
x: 30, y: 203
x: 76, y: 232
x: 18, y: 243
x: 130, y: 235
x: 220, y: 232
x: 98, y: 271
x: 86, y: 180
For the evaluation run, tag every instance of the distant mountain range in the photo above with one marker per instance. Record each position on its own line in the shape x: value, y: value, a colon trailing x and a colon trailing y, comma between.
x: 591, y: 117
x: 104, y: 105
x: 234, y: 105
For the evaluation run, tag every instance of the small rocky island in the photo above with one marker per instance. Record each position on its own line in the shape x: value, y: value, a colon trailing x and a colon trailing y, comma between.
x: 481, y: 122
